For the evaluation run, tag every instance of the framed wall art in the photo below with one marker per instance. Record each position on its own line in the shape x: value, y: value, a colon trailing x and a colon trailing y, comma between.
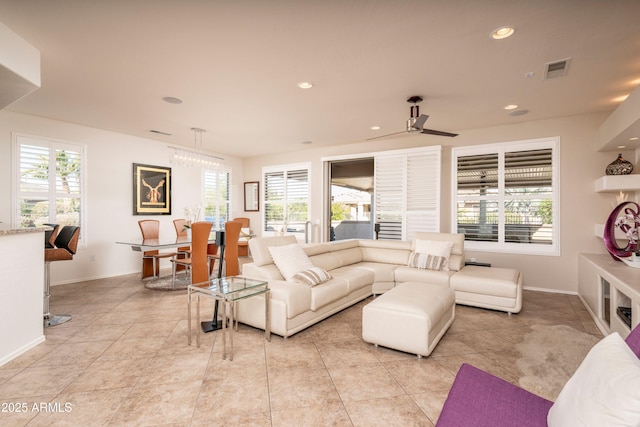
x: 151, y: 190
x: 251, y: 196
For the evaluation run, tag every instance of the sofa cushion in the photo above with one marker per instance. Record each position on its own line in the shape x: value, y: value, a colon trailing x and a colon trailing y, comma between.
x: 260, y: 247
x: 410, y: 274
x: 381, y: 272
x: 328, y: 292
x: 290, y: 259
x: 604, y: 391
x: 501, y: 282
x: 312, y: 277
x: 356, y: 278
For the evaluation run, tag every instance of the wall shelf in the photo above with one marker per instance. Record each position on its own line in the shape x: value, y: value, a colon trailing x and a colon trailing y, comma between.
x: 613, y: 183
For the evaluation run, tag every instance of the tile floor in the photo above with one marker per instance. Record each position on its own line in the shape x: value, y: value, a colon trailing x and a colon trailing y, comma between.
x: 123, y: 360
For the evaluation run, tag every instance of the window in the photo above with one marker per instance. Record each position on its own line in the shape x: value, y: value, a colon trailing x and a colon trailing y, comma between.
x: 48, y: 182
x: 216, y: 197
x: 286, y: 199
x: 407, y: 192
x: 506, y: 196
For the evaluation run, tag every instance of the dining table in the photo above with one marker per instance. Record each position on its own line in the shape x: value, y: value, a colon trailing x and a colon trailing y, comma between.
x: 216, y: 240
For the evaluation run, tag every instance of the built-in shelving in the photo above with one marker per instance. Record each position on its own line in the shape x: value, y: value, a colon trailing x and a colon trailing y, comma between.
x: 606, y: 285
x: 612, y: 183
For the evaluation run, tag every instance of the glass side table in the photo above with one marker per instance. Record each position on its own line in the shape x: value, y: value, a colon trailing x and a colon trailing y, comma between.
x: 228, y: 290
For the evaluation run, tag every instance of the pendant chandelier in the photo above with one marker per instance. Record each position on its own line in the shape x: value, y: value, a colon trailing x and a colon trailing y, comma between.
x: 188, y: 158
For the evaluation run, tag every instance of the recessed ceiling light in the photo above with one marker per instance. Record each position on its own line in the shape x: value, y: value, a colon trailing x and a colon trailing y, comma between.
x: 172, y: 100
x: 510, y: 107
x: 375, y: 128
x: 306, y: 142
x: 621, y: 146
x: 502, y: 33
x: 634, y: 138
x: 305, y: 85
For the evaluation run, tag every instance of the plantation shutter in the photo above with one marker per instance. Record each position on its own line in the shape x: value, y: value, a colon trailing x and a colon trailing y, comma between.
x: 216, y: 197
x: 286, y: 199
x: 48, y: 185
x: 389, y: 196
x: 407, y: 193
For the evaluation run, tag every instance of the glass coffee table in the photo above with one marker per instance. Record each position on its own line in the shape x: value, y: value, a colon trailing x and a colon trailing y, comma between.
x: 228, y: 290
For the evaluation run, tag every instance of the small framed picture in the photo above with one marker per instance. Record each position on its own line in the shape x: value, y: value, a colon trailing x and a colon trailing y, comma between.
x: 151, y: 190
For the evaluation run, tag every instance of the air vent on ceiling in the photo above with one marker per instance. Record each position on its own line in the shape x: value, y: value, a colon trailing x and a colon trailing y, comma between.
x: 556, y: 68
x: 160, y: 132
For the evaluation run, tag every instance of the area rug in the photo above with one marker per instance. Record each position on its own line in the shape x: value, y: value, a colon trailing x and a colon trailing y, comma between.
x: 550, y: 354
x: 165, y: 283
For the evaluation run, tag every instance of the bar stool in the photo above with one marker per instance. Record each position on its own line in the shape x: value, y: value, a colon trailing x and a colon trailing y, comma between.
x: 66, y: 244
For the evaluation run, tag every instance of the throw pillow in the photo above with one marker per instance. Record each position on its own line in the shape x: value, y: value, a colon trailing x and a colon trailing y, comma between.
x: 427, y: 262
x: 604, y: 391
x: 312, y: 277
x: 431, y: 254
x: 290, y: 259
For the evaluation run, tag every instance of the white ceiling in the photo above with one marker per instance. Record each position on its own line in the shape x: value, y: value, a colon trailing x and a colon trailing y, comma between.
x: 235, y: 64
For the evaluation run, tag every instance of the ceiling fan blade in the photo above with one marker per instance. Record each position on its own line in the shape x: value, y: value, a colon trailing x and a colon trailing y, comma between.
x: 438, y: 132
x: 420, y: 121
x: 384, y: 136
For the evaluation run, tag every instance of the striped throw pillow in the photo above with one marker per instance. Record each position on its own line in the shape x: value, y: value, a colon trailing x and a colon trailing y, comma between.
x: 312, y: 276
x: 427, y: 261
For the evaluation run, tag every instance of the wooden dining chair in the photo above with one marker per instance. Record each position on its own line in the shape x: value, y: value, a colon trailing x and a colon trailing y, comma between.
x: 243, y: 240
x: 182, y: 252
x: 150, y: 229
x: 231, y: 263
x: 198, y: 263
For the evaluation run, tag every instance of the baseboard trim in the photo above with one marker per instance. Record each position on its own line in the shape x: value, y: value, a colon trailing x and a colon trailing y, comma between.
x: 28, y: 346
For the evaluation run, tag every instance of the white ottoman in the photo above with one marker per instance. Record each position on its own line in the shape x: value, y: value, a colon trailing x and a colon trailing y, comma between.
x: 412, y: 317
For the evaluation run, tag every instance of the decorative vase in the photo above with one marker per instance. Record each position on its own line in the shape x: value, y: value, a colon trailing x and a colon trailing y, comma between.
x: 619, y: 166
x: 189, y: 234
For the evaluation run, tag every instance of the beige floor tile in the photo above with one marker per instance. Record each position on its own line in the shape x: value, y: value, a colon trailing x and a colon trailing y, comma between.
x: 219, y: 399
x: 158, y: 404
x: 340, y: 354
x: 133, y: 348
x: 174, y: 368
x: 74, y: 353
x: 399, y: 411
x: 39, y: 381
x: 109, y: 374
x: 333, y: 414
x: 123, y: 359
x: 421, y: 376
x: 286, y: 354
x: 81, y: 408
x: 300, y: 387
x: 17, y: 412
x: 431, y: 403
x: 99, y: 333
x: 364, y: 382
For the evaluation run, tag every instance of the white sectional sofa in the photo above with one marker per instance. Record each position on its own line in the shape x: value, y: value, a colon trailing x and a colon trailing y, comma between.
x: 360, y: 268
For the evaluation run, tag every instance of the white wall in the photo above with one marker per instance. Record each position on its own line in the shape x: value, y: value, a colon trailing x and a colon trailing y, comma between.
x: 580, y: 166
x: 109, y: 208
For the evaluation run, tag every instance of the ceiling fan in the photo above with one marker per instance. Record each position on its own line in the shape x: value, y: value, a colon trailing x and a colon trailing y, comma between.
x: 416, y: 122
